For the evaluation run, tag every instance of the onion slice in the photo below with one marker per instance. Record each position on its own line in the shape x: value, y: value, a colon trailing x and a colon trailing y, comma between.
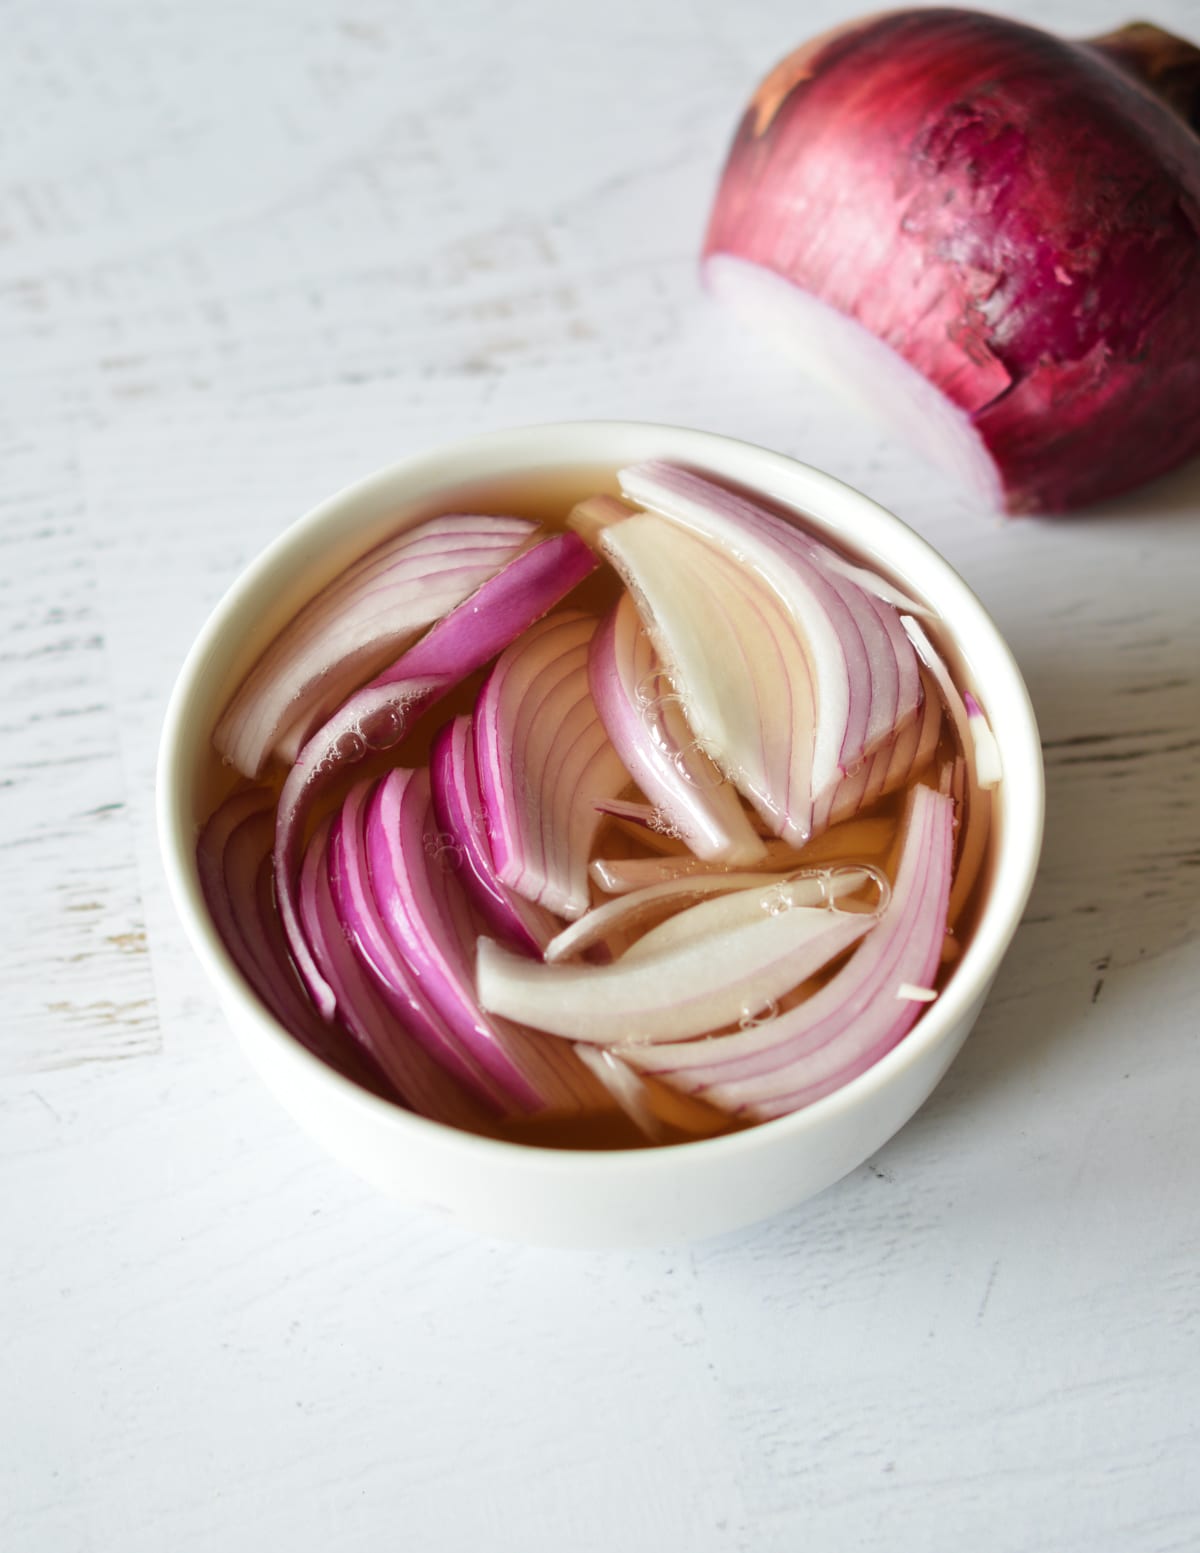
x: 401, y: 986
x: 712, y: 919
x: 632, y: 909
x: 857, y: 1017
x: 458, y: 804
x: 731, y: 649
x: 858, y: 838
x: 355, y: 625
x: 853, y: 656
x: 648, y: 729
x: 626, y: 1087
x: 233, y: 859
x: 426, y: 916
x: 890, y: 768
x: 989, y: 768
x: 544, y: 762
x: 670, y: 996
x: 982, y: 755
x: 378, y: 716
x: 978, y: 742
x: 367, y: 1013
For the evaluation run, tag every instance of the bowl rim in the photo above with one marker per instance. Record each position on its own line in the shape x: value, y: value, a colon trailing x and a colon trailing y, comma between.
x: 1016, y: 861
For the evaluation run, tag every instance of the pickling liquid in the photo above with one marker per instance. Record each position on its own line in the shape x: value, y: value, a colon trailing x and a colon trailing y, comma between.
x: 547, y: 497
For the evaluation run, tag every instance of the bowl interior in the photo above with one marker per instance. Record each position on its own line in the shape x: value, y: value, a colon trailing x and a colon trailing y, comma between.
x: 585, y: 455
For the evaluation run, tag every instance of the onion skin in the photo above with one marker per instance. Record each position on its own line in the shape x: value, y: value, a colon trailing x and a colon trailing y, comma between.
x: 1016, y: 215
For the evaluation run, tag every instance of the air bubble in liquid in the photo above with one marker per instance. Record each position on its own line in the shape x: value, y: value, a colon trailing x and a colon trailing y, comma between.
x: 441, y: 846
x: 648, y: 690
x: 663, y: 825
x: 652, y: 715
x: 696, y: 766
x: 351, y: 746
x: 874, y: 876
x: 751, y: 1018
x: 381, y: 729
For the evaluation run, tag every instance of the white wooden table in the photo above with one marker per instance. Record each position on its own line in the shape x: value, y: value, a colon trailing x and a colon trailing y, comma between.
x: 248, y: 251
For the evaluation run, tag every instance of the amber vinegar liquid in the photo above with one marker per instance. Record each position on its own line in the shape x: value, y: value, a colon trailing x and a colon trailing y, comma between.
x: 547, y: 497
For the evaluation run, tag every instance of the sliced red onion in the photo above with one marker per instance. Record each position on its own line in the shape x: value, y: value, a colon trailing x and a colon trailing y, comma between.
x: 731, y: 649
x: 852, y: 656
x: 426, y: 916
x: 458, y: 804
x: 632, y: 909
x: 912, y: 994
x: 620, y: 875
x: 646, y: 723
x: 396, y: 982
x: 831, y: 647
x: 590, y: 517
x: 662, y: 1114
x: 378, y: 716
x: 975, y: 736
x: 873, y: 583
x: 676, y: 994
x: 233, y: 848
x: 989, y: 768
x: 544, y: 762
x: 713, y: 919
x: 885, y: 711
x: 368, y: 1015
x: 626, y: 1087
x: 355, y: 625
x: 640, y: 817
x: 982, y: 754
x: 890, y: 768
x: 649, y: 827
x: 858, y: 838
x: 856, y: 1018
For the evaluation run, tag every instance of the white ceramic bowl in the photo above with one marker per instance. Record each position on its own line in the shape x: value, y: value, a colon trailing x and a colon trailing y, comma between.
x: 630, y: 1196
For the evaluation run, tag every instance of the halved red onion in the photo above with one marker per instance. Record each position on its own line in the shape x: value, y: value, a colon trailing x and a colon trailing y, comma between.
x: 939, y: 194
x: 378, y: 716
x: 682, y: 992
x: 458, y: 804
x: 856, y: 1018
x: 649, y: 731
x: 544, y: 761
x: 863, y: 371
x: 428, y: 920
x: 355, y: 625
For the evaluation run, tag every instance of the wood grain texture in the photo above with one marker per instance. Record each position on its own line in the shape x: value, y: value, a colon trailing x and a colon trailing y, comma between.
x: 247, y: 253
